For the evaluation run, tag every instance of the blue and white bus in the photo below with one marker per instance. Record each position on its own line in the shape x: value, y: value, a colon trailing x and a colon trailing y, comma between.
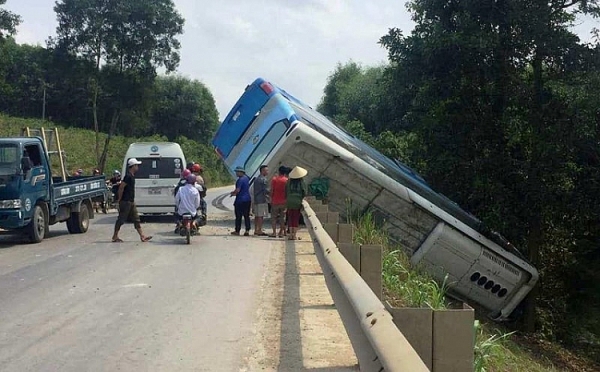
x: 269, y: 126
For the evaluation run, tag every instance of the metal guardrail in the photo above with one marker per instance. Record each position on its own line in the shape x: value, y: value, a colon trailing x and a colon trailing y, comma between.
x: 377, y: 342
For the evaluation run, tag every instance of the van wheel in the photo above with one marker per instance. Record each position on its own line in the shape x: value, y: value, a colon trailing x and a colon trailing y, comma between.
x: 37, y: 227
x: 79, y: 221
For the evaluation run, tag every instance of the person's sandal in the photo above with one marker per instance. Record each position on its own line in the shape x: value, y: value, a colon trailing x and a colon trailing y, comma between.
x: 146, y: 239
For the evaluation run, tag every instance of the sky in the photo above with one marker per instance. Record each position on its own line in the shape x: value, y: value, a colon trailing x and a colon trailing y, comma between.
x: 295, y: 44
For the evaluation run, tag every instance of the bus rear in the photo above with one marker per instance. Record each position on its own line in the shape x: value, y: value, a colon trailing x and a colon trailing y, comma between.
x: 250, y: 131
x: 157, y: 176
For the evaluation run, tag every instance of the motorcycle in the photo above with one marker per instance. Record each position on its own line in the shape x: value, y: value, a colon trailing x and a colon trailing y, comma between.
x: 187, y: 228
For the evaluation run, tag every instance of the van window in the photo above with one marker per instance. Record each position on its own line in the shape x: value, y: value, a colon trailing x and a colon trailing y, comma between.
x: 158, y: 168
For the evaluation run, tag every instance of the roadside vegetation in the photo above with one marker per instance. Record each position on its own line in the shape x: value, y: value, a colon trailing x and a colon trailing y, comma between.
x: 78, y: 145
x: 497, y: 349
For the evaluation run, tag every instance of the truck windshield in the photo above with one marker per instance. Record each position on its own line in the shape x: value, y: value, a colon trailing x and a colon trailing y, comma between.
x: 9, y: 159
x: 159, y: 168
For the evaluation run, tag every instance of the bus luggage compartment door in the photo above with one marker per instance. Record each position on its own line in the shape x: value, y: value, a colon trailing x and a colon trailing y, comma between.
x: 474, y: 272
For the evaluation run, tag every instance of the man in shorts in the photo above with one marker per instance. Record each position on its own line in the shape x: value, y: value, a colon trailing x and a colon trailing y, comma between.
x: 278, y: 201
x: 260, y: 200
x: 126, y: 201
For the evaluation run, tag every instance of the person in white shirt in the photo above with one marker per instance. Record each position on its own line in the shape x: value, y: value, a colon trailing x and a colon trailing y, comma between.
x: 188, y: 199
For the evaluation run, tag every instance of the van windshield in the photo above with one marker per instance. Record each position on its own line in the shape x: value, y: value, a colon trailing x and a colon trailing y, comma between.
x: 159, y: 168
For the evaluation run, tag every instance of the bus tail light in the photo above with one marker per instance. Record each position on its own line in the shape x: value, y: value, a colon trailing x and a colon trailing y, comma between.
x: 267, y: 87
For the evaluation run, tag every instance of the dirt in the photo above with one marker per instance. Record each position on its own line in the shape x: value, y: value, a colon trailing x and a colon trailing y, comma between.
x: 298, y: 327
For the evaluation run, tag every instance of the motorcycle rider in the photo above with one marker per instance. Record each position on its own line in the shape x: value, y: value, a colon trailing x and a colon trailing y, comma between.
x: 115, y: 181
x: 182, y: 182
x: 197, y: 170
x: 187, y: 200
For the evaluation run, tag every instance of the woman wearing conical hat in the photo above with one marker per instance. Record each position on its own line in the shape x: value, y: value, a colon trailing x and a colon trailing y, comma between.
x: 295, y: 192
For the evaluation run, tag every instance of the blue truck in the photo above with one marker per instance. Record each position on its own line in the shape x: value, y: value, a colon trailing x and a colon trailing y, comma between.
x: 31, y: 199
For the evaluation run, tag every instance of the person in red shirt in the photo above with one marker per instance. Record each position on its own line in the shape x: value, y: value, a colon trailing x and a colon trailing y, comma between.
x: 278, y: 201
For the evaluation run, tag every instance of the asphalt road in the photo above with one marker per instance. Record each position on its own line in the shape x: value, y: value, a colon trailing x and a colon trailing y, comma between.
x: 83, y: 303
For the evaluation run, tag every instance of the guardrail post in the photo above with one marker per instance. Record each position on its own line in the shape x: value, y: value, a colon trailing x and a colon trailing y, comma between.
x: 332, y: 230
x: 370, y: 267
x: 444, y: 339
x: 453, y: 339
x: 351, y: 252
x: 416, y: 324
x: 345, y: 233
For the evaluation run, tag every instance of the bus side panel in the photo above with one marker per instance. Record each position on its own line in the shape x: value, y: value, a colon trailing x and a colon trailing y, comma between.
x: 436, y: 245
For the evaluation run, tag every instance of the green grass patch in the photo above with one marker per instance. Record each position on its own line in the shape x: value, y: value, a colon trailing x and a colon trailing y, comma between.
x: 407, y: 286
x: 79, y: 145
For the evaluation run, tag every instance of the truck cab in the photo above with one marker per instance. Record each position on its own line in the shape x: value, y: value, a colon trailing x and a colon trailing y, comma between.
x: 31, y: 199
x: 24, y: 180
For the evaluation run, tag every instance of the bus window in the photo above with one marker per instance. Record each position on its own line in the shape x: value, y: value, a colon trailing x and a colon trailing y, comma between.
x: 158, y: 168
x: 265, y: 146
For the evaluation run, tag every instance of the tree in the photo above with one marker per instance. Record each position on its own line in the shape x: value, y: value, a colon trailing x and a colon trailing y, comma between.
x: 183, y: 107
x: 128, y: 39
x: 482, y: 85
x: 8, y: 22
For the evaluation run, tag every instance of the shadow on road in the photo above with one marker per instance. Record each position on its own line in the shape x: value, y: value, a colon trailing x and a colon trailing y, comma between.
x: 10, y: 239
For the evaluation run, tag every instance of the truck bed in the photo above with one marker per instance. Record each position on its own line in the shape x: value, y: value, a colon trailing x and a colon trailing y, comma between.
x: 77, y: 188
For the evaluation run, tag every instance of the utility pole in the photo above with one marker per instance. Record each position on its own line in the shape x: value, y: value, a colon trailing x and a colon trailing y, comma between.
x: 44, y: 104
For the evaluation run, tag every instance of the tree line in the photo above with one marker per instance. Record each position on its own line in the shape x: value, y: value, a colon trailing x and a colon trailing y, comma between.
x: 496, y: 104
x: 100, y: 72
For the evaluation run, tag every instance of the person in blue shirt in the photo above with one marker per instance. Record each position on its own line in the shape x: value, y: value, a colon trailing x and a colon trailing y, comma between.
x: 242, y: 201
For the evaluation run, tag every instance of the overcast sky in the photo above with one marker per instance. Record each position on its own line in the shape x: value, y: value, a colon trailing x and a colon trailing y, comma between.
x: 295, y: 44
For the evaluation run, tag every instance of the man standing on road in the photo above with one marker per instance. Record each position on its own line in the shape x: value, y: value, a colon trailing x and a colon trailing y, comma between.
x: 278, y: 211
x: 126, y: 201
x: 242, y: 201
x: 261, y: 200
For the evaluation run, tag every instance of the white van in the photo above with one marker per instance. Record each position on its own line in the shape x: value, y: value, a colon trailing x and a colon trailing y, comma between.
x: 162, y: 164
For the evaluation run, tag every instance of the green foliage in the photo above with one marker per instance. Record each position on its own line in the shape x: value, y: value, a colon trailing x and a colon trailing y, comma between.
x: 126, y: 42
x: 496, y: 104
x: 8, y: 22
x: 183, y: 107
x: 487, y: 348
x: 78, y: 144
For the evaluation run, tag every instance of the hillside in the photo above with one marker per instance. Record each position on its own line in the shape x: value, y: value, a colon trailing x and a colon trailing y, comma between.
x: 79, y: 146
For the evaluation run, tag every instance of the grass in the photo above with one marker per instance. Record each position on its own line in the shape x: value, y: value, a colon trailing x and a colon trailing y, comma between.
x: 79, y: 145
x: 496, y: 350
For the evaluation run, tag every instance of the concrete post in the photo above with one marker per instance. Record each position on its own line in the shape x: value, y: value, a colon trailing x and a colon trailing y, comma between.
x: 371, y: 267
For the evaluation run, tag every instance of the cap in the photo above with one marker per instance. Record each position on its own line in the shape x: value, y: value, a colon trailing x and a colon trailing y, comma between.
x: 133, y: 161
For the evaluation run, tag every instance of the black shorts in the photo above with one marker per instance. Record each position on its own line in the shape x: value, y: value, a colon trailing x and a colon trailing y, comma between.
x: 128, y: 213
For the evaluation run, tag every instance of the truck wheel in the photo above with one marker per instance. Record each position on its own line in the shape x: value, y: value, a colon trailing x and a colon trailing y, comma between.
x: 79, y: 221
x: 37, y: 227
